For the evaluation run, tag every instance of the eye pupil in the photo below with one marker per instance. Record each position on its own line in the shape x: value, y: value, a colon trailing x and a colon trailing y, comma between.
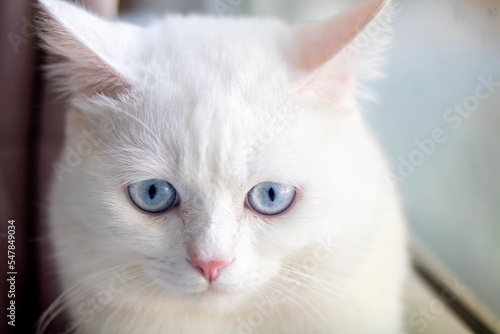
x: 152, y: 191
x: 271, y: 194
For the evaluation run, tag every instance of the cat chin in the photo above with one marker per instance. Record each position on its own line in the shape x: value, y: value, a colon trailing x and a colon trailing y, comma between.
x: 213, y: 295
x: 205, y: 295
x: 209, y: 297
x: 186, y: 288
x: 207, y: 292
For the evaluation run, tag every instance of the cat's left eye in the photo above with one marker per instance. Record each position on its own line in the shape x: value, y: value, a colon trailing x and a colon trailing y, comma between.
x: 271, y: 198
x: 153, y: 195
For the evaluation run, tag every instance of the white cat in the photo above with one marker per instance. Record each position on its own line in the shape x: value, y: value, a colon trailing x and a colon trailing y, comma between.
x: 218, y: 177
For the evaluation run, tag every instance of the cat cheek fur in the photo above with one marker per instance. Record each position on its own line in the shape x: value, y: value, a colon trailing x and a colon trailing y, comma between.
x: 190, y: 101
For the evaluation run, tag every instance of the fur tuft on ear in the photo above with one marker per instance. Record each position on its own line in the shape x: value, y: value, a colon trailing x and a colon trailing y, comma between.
x: 336, y: 53
x: 88, y: 53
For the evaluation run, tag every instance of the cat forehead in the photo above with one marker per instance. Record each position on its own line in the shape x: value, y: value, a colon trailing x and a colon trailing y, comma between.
x: 203, y: 129
x: 198, y: 136
x: 195, y: 51
x: 200, y: 79
x: 205, y: 133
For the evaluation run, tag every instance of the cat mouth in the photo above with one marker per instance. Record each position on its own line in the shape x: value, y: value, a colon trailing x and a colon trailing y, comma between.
x: 211, y: 291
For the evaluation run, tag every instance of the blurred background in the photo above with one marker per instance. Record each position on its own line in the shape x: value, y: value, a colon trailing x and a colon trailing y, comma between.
x: 437, y: 117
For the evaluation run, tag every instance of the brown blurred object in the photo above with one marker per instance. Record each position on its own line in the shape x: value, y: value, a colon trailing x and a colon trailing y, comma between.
x: 17, y: 143
x: 31, y: 128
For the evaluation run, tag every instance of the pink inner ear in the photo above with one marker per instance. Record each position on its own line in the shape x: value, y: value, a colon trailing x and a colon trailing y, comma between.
x: 106, y: 80
x: 75, y: 66
x: 321, y: 42
x: 87, y: 73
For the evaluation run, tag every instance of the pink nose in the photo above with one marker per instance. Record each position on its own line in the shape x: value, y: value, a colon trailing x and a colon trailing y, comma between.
x: 210, y: 269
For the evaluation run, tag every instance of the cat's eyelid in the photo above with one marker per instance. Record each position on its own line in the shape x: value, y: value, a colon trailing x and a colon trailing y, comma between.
x: 296, y: 184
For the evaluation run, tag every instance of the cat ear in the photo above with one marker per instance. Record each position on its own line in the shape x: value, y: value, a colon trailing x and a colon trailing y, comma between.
x: 335, y: 53
x: 88, y: 52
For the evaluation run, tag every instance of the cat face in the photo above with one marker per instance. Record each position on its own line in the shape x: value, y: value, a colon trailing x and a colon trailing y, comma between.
x: 218, y: 149
x: 177, y: 184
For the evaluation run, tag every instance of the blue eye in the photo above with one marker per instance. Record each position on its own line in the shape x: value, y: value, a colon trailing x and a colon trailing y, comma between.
x: 153, y: 195
x: 271, y: 198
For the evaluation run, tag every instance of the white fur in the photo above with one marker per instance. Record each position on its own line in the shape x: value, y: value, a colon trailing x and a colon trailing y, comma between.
x: 216, y: 106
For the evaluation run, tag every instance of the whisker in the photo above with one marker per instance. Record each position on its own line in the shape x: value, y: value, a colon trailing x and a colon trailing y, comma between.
x: 144, y: 278
x: 320, y: 293
x: 280, y: 286
x: 58, y: 305
x: 334, y: 282
x: 263, y: 295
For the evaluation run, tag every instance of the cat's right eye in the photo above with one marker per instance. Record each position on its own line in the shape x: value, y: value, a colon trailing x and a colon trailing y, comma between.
x: 153, y: 195
x: 271, y: 198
